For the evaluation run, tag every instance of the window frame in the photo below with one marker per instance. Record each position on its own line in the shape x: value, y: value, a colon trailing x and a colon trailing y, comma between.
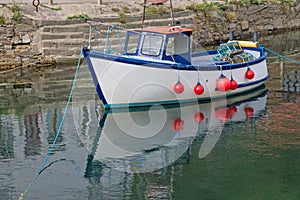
x: 128, y: 43
x: 186, y: 50
x: 160, y: 47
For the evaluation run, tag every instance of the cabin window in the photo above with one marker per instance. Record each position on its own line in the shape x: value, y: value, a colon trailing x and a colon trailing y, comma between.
x: 177, y: 44
x: 132, y: 43
x: 152, y: 45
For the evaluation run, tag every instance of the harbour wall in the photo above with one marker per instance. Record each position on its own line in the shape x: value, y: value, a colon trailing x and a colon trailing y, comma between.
x: 213, y: 27
x: 37, y: 43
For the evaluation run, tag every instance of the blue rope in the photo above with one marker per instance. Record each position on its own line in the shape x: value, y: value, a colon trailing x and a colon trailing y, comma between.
x: 281, y: 56
x: 43, y: 166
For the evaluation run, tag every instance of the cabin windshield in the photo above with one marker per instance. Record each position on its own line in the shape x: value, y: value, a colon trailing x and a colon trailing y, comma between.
x: 132, y: 43
x: 152, y: 45
x: 177, y: 44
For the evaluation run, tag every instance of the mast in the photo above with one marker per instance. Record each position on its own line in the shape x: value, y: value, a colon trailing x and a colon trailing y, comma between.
x: 144, y: 13
x: 172, y: 16
x: 143, y: 17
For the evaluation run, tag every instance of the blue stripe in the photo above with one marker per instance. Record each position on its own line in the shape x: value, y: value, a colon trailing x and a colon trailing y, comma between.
x: 254, y: 82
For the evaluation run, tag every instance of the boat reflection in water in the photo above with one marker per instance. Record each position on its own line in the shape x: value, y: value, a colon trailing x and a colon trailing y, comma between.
x: 138, y: 141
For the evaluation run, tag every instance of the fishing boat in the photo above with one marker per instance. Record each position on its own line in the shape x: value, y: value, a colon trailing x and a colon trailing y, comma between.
x: 156, y: 65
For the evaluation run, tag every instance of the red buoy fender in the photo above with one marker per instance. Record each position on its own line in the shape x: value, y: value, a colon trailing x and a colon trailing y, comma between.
x: 178, y: 87
x: 223, y: 83
x: 233, y: 84
x: 249, y: 74
x: 198, y: 89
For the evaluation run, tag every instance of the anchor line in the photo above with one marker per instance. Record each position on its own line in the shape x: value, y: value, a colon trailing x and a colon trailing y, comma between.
x: 282, y: 56
x: 43, y: 166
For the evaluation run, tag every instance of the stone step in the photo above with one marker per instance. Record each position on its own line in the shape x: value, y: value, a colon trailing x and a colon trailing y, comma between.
x: 58, y: 52
x: 74, y: 51
x: 74, y: 28
x: 63, y: 43
x: 184, y: 21
x: 78, y: 42
x: 57, y: 36
x: 115, y: 20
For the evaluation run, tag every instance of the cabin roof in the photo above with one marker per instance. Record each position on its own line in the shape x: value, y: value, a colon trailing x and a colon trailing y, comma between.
x: 166, y: 30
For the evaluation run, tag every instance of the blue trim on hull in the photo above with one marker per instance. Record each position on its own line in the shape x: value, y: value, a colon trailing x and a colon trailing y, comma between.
x: 253, y: 83
x: 94, y: 77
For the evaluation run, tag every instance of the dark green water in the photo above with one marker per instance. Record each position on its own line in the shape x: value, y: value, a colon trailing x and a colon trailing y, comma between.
x: 254, y: 155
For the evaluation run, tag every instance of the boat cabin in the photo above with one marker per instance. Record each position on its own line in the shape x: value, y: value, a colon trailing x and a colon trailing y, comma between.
x: 171, y: 43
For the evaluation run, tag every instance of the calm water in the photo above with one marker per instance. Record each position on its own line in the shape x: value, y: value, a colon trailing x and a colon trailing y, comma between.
x: 246, y: 147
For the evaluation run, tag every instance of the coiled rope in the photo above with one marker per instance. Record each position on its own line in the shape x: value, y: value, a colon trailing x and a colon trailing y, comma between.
x: 43, y: 166
x: 281, y: 56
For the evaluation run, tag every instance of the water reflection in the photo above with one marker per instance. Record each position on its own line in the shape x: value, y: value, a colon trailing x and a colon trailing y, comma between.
x: 31, y: 108
x: 32, y: 134
x: 6, y: 138
x: 155, y: 139
x: 291, y: 81
x: 30, y: 128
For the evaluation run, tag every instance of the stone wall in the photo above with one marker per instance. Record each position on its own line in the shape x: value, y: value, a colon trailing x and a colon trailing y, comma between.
x: 40, y: 43
x: 213, y: 26
x: 19, y: 46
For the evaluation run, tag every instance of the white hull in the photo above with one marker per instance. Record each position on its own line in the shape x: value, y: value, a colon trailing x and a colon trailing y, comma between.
x: 121, y: 84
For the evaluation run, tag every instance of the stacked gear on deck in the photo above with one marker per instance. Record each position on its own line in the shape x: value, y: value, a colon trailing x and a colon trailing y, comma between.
x: 232, y: 52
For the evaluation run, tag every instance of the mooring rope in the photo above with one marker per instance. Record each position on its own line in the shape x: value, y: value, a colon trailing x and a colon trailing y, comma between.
x: 282, y: 56
x: 43, y: 166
